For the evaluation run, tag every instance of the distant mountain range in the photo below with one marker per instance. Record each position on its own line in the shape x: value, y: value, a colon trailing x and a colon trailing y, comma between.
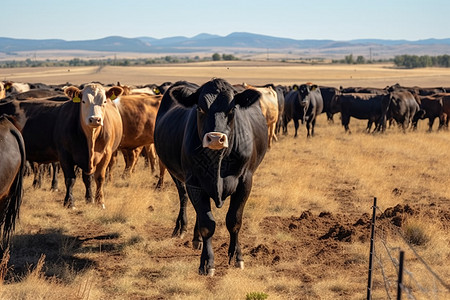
x: 237, y: 41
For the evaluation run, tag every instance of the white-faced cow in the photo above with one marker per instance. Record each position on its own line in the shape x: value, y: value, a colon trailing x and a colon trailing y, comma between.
x: 83, y: 132
x: 211, y: 140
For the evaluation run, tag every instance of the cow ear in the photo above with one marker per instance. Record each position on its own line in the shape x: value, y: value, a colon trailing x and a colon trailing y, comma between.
x: 156, y: 91
x: 8, y: 85
x: 73, y: 93
x: 184, y: 96
x: 314, y: 87
x: 295, y: 87
x: 114, y: 92
x: 247, y: 98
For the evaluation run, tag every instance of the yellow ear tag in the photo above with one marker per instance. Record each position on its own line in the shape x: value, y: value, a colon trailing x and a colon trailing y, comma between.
x: 156, y: 91
x: 113, y: 96
x: 76, y: 99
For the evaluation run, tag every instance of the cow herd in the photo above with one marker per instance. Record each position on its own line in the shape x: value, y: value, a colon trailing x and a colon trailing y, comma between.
x: 211, y: 137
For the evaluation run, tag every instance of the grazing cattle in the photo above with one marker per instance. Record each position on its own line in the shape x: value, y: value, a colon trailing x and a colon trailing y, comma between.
x: 83, y: 132
x: 211, y: 140
x: 138, y: 113
x: 303, y: 103
x: 371, y: 107
x: 430, y: 108
x: 269, y: 108
x: 402, y: 108
x: 327, y: 95
x: 12, y: 167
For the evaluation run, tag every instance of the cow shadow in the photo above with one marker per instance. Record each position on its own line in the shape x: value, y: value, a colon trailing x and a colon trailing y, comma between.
x: 61, y: 254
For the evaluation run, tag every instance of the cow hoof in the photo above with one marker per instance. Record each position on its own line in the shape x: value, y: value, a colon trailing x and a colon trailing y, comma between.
x: 103, y: 206
x: 210, y: 272
x: 197, y: 245
x: 239, y: 264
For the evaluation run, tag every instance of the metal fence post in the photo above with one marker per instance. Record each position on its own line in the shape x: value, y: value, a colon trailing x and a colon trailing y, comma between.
x: 400, y: 275
x: 372, y: 233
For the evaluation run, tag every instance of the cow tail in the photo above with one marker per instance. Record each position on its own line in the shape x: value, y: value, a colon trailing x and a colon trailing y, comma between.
x: 14, y: 200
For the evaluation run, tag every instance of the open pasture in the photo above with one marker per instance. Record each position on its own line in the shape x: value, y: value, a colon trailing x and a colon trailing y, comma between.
x: 306, y: 225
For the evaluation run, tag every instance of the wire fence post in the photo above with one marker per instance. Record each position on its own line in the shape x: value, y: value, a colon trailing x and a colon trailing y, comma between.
x: 400, y: 275
x: 372, y: 233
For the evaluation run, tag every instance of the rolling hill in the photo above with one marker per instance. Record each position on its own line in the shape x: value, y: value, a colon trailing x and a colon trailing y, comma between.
x: 235, y: 42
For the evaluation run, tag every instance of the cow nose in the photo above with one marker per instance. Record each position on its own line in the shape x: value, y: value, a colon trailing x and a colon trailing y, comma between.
x: 95, y: 121
x: 215, y: 140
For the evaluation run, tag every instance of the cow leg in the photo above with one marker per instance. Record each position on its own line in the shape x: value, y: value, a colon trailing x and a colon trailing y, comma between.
x: 181, y: 222
x: 55, y: 167
x: 127, y: 156
x: 151, y: 157
x: 68, y: 199
x: 345, y: 121
x: 313, y: 124
x: 430, y: 124
x: 162, y: 170
x: 206, y: 226
x: 87, y: 180
x: 99, y: 181
x: 111, y: 164
x: 234, y: 220
x: 38, y: 169
x: 296, y: 127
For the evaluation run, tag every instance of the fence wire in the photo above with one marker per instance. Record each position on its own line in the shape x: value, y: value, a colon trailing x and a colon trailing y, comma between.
x: 413, y: 286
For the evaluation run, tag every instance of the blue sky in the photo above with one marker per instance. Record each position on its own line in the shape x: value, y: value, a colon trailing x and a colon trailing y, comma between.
x: 297, y: 19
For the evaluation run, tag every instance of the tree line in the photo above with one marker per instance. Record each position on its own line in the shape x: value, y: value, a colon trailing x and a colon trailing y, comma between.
x: 400, y: 61
x: 424, y: 61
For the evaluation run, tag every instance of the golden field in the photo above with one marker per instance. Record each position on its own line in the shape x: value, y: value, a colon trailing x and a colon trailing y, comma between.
x: 306, y: 225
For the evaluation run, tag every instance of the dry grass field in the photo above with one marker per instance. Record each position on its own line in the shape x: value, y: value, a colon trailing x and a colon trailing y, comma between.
x: 306, y: 227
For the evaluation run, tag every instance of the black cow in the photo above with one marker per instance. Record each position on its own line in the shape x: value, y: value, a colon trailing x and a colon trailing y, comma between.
x: 303, y: 103
x: 371, y: 107
x: 403, y: 106
x: 431, y: 107
x: 211, y: 139
x: 12, y: 167
x: 328, y: 94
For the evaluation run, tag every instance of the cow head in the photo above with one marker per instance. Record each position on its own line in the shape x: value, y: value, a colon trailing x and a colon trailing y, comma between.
x: 216, y: 102
x: 304, y: 91
x: 92, y: 99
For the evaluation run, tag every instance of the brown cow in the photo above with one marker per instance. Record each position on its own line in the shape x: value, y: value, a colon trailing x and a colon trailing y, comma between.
x: 269, y: 108
x: 138, y: 113
x: 12, y: 167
